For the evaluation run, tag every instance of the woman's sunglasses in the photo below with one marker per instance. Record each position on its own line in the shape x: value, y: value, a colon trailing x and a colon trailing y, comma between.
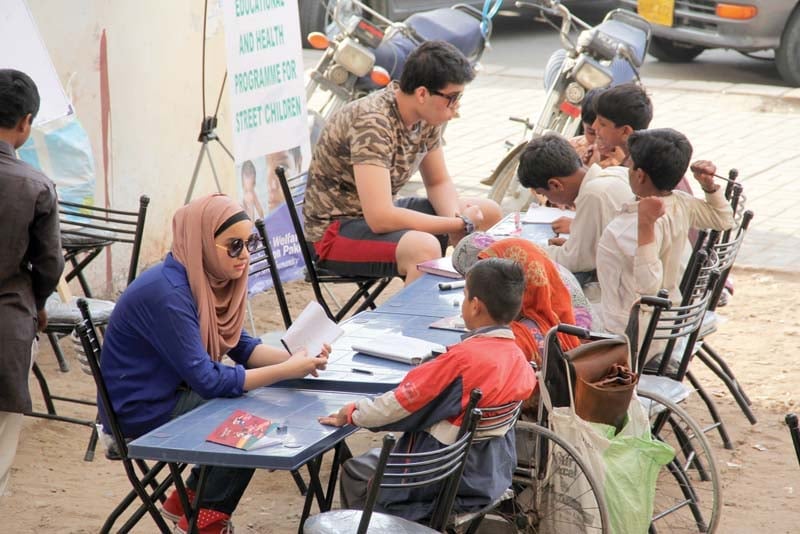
x: 235, y: 246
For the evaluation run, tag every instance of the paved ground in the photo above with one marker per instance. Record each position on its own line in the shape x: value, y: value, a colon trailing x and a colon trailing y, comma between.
x: 753, y: 128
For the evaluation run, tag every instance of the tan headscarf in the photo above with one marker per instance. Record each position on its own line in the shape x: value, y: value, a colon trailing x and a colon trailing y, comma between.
x: 220, y: 301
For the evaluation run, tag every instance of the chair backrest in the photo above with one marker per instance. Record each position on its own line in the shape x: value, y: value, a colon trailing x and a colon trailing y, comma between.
x: 412, y: 470
x: 676, y: 323
x: 699, y: 255
x: 294, y: 192
x: 263, y: 261
x: 87, y: 333
x: 495, y: 420
x: 104, y: 225
x: 696, y: 280
x: 734, y: 193
x: 726, y: 250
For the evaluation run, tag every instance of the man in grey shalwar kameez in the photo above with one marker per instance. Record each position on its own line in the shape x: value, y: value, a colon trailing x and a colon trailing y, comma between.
x: 30, y: 257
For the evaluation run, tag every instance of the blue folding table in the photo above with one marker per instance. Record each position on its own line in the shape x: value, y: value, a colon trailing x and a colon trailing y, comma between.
x: 183, y: 440
x: 351, y: 371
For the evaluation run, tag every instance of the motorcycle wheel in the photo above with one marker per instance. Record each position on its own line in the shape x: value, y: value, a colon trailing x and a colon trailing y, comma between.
x: 506, y: 189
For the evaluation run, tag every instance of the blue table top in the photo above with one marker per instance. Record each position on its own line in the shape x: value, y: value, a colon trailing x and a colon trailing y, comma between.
x: 184, y: 439
x: 424, y: 298
x: 373, y: 375
x: 539, y: 233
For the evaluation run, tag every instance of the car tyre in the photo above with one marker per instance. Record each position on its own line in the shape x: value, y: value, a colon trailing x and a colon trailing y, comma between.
x: 673, y: 51
x: 787, y: 56
x: 313, y: 18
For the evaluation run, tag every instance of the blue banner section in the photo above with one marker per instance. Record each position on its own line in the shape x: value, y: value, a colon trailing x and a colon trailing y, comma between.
x: 286, y: 249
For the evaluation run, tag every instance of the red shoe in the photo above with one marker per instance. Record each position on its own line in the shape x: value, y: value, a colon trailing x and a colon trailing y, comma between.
x: 209, y: 522
x: 172, y: 509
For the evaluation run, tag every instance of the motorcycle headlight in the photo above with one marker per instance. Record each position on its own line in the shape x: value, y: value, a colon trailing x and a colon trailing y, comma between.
x: 591, y: 74
x: 337, y: 74
x: 354, y: 57
x: 574, y: 93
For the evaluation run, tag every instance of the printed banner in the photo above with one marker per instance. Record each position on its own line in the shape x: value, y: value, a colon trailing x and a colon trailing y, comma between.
x: 270, y: 125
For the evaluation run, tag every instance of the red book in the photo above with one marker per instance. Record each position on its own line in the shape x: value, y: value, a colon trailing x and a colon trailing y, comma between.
x: 242, y: 430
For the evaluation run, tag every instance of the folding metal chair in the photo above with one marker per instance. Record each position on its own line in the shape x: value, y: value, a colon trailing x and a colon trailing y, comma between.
x: 262, y: 261
x: 405, y: 471
x: 85, y: 231
x: 368, y: 288
x: 726, y: 251
x: 143, y: 477
x: 679, y: 327
x: 495, y: 422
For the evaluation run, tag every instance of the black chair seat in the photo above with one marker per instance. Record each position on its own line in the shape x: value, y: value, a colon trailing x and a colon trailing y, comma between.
x: 339, y: 521
x: 63, y: 316
x: 98, y: 238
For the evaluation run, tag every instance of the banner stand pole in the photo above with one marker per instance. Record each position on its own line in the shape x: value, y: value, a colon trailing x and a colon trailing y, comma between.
x: 209, y: 123
x: 207, y: 133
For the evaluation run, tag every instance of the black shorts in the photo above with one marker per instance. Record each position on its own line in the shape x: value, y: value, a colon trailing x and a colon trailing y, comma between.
x: 350, y: 248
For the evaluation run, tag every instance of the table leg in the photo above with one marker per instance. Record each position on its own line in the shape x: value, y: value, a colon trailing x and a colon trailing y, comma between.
x: 314, y: 490
x: 324, y: 497
x: 192, y: 512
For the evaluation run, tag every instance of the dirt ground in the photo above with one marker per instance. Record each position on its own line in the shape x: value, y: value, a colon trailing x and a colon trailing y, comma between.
x: 53, y: 489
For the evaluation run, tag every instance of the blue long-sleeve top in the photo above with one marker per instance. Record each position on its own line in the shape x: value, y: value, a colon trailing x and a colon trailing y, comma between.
x: 153, y: 347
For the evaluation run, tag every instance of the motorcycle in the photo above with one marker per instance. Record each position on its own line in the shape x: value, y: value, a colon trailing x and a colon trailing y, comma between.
x: 600, y: 56
x: 365, y: 51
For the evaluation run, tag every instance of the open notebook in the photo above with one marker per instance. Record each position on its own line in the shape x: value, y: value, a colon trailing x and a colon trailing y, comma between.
x: 400, y: 348
x: 545, y: 214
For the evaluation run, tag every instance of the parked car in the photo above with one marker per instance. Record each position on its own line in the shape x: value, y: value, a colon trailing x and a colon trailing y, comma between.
x: 682, y: 29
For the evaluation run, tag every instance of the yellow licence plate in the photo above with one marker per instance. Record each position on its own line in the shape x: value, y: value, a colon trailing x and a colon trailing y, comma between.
x: 657, y: 11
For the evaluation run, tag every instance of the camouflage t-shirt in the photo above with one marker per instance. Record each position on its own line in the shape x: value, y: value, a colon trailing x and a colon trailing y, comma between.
x: 368, y: 131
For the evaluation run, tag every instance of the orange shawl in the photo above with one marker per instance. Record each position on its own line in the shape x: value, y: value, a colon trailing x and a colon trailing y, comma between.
x: 546, y: 301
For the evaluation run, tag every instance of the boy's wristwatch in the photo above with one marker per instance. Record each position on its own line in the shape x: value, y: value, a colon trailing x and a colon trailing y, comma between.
x: 469, y: 226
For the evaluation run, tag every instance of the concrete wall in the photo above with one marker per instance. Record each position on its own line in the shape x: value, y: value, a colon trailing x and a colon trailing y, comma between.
x: 154, y: 51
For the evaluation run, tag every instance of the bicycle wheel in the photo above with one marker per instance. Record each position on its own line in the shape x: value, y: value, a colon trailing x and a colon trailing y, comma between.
x: 554, y: 490
x: 506, y: 189
x: 688, y: 493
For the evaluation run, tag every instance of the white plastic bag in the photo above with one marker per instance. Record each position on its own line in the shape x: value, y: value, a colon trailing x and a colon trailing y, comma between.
x: 625, y: 464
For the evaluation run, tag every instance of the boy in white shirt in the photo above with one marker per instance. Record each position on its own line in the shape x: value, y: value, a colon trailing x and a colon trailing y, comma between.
x: 640, y: 250
x: 550, y: 166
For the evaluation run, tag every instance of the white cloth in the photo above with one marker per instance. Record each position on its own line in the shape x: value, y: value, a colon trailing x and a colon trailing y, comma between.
x: 10, y: 428
x: 601, y: 195
x: 627, y: 271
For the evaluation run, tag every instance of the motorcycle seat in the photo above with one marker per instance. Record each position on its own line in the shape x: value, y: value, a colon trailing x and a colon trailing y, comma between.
x: 455, y: 26
x: 452, y: 25
x: 635, y: 38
